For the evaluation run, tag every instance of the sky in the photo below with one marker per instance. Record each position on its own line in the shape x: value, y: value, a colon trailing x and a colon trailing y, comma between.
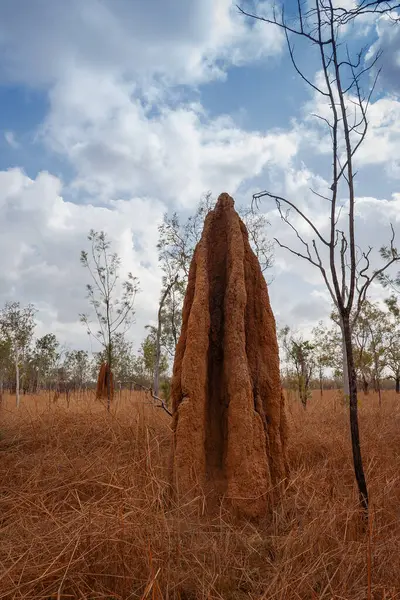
x: 114, y: 112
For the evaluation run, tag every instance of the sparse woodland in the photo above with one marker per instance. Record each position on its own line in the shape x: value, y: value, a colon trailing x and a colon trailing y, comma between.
x: 85, y: 504
x: 308, y: 361
x: 86, y: 509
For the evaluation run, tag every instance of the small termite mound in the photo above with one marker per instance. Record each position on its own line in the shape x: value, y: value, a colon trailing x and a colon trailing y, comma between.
x: 102, y: 382
x: 228, y: 409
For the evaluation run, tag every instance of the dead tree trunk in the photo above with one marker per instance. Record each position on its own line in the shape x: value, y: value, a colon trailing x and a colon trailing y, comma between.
x: 354, y: 429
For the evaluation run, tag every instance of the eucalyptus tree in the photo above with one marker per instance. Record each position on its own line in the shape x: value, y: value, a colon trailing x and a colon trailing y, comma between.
x: 17, y: 325
x: 111, y: 299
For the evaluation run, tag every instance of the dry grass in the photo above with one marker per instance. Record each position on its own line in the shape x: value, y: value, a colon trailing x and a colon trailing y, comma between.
x: 85, y: 511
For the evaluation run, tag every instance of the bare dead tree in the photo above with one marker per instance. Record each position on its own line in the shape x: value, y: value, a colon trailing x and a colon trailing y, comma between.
x: 344, y: 15
x: 345, y: 268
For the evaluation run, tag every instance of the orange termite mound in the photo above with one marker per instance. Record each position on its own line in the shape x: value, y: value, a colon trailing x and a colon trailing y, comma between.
x: 228, y: 410
x: 102, y: 382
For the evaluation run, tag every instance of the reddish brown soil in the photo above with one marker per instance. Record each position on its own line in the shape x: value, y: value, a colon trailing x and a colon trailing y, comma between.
x: 229, y: 420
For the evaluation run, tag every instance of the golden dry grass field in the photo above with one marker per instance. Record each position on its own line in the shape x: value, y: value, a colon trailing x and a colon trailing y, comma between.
x: 85, y: 510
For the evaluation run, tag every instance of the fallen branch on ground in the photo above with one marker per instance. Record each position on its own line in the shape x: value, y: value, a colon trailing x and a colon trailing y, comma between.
x: 150, y: 391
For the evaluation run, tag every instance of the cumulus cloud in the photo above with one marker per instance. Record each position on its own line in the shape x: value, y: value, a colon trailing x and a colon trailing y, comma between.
x: 42, y: 235
x: 383, y: 137
x: 118, y: 145
x: 298, y: 291
x: 382, y: 142
x: 112, y: 70
x: 183, y: 42
x: 388, y: 41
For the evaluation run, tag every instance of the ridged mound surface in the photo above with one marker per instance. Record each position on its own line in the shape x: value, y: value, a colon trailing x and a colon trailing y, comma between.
x: 229, y: 419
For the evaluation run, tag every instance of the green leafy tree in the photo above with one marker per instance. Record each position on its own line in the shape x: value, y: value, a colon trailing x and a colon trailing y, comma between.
x: 369, y: 340
x: 392, y: 343
x: 124, y: 359
x: 146, y: 362
x: 76, y: 369
x: 5, y: 361
x: 17, y: 325
x: 111, y: 300
x: 44, y: 359
x: 327, y: 351
x: 300, y: 355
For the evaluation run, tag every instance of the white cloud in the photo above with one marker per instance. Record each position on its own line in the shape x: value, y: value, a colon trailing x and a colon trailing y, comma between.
x: 42, y: 235
x: 298, y: 293
x: 10, y: 139
x: 184, y: 42
x: 382, y: 143
x: 383, y: 136
x: 115, y: 112
x: 388, y: 41
x: 111, y: 68
x: 118, y: 145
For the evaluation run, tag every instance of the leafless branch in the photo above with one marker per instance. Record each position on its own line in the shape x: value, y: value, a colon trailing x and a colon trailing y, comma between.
x: 348, y: 126
x: 281, y: 25
x: 160, y: 400
x: 258, y: 196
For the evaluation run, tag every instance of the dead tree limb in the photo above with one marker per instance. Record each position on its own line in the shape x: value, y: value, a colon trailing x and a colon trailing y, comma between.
x: 153, y: 395
x: 343, y: 80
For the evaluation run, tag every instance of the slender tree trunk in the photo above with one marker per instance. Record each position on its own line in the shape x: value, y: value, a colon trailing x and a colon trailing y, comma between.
x: 378, y: 382
x: 397, y: 384
x: 303, y: 391
x: 300, y: 385
x: 354, y: 428
x: 321, y: 384
x: 378, y: 385
x: 17, y: 377
x: 156, y: 382
x: 109, y: 356
x: 346, y: 386
x: 108, y: 375
x: 156, y: 378
x: 379, y: 394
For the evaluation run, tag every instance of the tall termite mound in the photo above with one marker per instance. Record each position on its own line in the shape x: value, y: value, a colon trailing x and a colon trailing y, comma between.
x: 228, y: 410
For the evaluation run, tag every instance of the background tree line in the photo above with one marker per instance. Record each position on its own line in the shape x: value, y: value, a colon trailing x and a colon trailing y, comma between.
x: 316, y: 361
x: 29, y: 363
